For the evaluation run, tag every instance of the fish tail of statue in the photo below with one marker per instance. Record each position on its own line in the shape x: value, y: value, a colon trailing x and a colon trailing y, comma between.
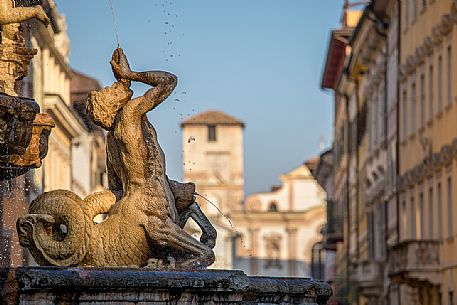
x: 57, y: 229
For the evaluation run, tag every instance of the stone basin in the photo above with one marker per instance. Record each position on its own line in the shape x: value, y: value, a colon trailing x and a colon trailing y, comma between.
x: 109, y: 286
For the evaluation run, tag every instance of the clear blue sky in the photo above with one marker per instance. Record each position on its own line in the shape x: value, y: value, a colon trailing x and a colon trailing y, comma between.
x: 258, y: 60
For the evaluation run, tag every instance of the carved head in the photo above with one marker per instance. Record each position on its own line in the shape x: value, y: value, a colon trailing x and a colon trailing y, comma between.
x: 102, y: 106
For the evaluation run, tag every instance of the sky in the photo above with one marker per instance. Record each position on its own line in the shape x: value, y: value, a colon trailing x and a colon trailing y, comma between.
x: 258, y: 60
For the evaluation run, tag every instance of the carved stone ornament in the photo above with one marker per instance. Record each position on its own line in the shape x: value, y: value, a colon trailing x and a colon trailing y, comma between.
x: 23, y: 133
x: 446, y: 24
x: 437, y: 35
x: 145, y: 211
x: 446, y: 155
x: 454, y: 148
x: 421, y: 54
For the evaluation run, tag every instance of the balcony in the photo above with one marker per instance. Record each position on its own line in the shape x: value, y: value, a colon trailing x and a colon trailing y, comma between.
x: 334, y: 231
x: 368, y: 276
x: 415, y: 261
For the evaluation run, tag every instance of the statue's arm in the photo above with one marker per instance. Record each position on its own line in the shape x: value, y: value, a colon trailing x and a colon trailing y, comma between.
x: 10, y: 14
x: 163, y: 84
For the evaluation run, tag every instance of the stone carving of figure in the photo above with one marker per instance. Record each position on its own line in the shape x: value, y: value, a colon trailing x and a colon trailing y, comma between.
x: 14, y: 56
x: 146, y: 212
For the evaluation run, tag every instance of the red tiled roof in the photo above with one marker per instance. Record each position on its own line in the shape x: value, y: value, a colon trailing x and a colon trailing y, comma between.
x: 212, y: 118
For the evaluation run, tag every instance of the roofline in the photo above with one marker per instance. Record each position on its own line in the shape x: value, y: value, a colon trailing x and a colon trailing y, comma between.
x: 336, y: 34
x: 183, y: 124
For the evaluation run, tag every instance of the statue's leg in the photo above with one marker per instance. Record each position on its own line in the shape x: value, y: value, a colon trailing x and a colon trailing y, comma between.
x: 184, y: 194
x: 189, y: 252
x: 209, y: 234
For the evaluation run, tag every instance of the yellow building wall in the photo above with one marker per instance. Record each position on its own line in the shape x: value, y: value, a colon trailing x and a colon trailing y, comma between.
x: 439, y: 129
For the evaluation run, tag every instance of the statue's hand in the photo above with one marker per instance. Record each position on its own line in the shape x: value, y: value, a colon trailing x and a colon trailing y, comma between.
x: 120, y: 65
x: 41, y: 15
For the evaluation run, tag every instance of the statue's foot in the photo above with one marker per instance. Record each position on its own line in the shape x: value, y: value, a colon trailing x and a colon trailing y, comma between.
x: 160, y: 264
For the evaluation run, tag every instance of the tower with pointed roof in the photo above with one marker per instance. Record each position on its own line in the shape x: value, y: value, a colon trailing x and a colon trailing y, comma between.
x: 213, y: 158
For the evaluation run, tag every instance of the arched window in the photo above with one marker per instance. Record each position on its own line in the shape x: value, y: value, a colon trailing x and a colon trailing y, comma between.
x: 273, y: 251
x: 318, y: 261
x: 273, y: 206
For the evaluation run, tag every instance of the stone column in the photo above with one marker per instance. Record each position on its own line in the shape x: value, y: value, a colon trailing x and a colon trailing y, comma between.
x: 292, y: 250
x: 254, y: 257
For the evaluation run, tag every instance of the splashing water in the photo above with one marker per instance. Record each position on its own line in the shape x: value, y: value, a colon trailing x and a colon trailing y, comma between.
x: 225, y: 216
x: 217, y: 208
x: 114, y: 23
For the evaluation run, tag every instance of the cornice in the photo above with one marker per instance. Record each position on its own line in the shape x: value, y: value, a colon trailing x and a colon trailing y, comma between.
x: 436, y: 37
x: 430, y: 165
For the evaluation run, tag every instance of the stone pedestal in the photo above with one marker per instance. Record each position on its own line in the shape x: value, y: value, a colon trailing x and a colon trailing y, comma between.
x: 47, y: 285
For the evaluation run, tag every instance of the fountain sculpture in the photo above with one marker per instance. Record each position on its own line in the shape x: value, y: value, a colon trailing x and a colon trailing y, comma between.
x: 23, y: 130
x: 140, y: 253
x: 146, y: 212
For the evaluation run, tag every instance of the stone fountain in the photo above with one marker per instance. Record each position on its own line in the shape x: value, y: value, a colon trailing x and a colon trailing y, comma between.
x: 23, y: 130
x: 139, y: 253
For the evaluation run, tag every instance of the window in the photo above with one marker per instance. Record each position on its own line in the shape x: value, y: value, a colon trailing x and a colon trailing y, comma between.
x: 430, y: 212
x: 404, y: 222
x: 422, y: 99
x: 450, y: 224
x: 421, y: 216
x: 430, y: 90
x: 451, y: 297
x: 273, y: 251
x: 404, y: 116
x: 374, y: 123
x: 405, y: 25
x: 440, y: 211
x: 440, y: 83
x: 413, y: 107
x: 371, y: 238
x: 211, y: 133
x: 273, y: 207
x: 381, y: 113
x: 318, y: 261
x: 413, y: 216
x: 449, y: 75
x: 415, y: 8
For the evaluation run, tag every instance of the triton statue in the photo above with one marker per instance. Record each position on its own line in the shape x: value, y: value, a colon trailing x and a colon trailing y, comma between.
x: 146, y: 212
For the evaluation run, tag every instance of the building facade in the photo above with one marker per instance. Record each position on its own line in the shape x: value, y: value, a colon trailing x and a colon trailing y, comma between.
x: 339, y: 227
x: 213, y: 158
x: 427, y: 149
x: 76, y: 154
x: 278, y: 229
x: 398, y: 143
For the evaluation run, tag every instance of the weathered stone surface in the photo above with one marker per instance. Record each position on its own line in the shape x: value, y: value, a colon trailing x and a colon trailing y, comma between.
x: 23, y: 135
x: 14, y: 55
x: 16, y: 118
x: 39, y: 285
x: 146, y: 211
